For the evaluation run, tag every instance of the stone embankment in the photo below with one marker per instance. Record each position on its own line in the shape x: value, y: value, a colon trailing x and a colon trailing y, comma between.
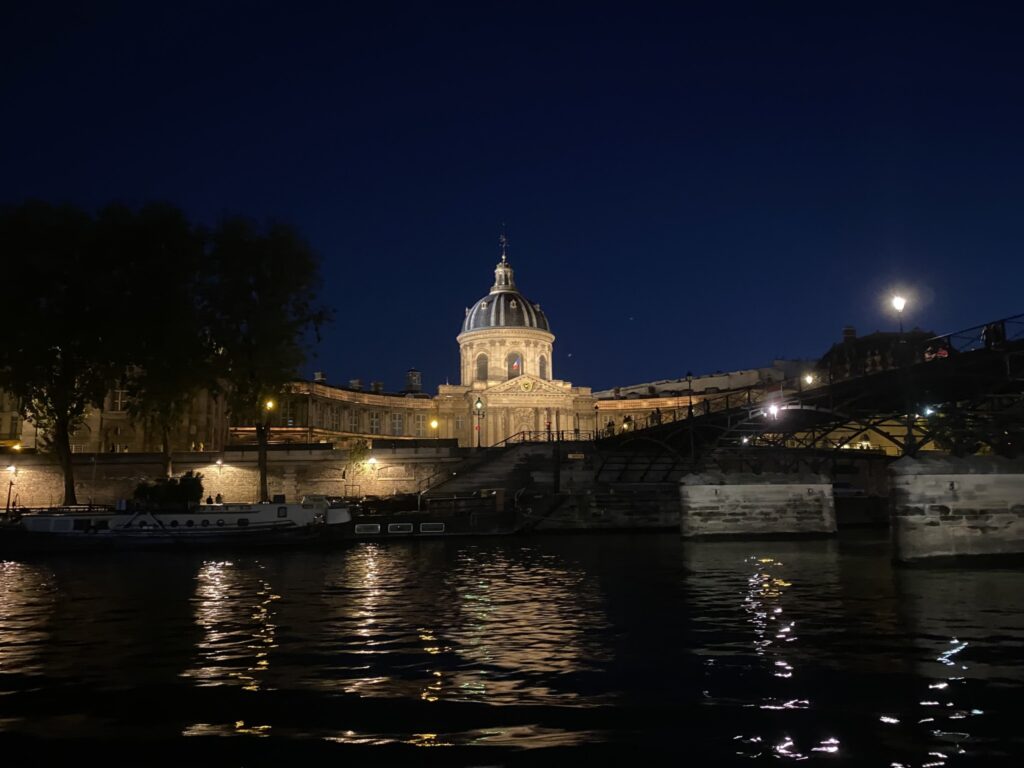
x: 720, y: 504
x: 944, y: 507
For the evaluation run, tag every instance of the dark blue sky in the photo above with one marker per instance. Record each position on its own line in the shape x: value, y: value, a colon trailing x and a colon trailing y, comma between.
x: 687, y: 186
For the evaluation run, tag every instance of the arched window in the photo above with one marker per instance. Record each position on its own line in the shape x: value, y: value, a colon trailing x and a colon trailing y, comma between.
x: 543, y: 366
x: 481, y: 367
x: 514, y: 362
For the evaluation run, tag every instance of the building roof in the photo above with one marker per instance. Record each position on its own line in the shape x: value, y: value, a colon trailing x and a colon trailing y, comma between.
x: 504, y: 306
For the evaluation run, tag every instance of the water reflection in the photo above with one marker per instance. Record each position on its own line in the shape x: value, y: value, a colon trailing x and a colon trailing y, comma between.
x: 234, y: 607
x: 754, y: 605
x: 492, y: 625
x: 28, y: 600
x: 969, y: 624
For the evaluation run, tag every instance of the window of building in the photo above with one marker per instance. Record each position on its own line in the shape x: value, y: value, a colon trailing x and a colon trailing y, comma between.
x: 353, y: 420
x: 421, y: 424
x: 543, y: 367
x: 514, y: 362
x: 119, y: 400
x: 374, y: 423
x: 460, y: 422
x: 288, y: 412
x: 397, y: 424
x: 481, y: 368
x: 335, y: 418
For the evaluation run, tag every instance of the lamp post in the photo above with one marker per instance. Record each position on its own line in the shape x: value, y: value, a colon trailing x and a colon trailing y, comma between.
x: 13, y: 471
x: 689, y: 410
x: 899, y: 303
x: 478, y: 411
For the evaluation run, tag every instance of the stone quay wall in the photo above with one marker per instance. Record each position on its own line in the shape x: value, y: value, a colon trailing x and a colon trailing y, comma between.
x: 740, y: 504
x: 106, y: 478
x: 944, y: 506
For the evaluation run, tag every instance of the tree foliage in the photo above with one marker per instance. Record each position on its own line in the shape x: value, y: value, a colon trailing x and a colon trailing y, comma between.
x: 263, y: 312
x: 60, y: 348
x: 147, y: 300
x: 171, y: 491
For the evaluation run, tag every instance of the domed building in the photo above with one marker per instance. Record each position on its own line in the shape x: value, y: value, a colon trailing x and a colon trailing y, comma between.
x: 507, y: 374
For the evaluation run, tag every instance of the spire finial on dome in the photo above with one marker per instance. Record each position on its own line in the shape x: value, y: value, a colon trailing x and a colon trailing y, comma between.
x: 503, y: 280
x: 503, y: 241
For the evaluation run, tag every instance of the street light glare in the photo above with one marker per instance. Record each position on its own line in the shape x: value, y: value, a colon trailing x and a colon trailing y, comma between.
x: 898, y: 303
x: 809, y: 378
x: 269, y: 405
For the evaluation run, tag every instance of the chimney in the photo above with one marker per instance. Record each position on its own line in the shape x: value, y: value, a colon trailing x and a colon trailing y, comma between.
x: 377, y: 387
x: 849, y: 333
x: 356, y: 384
x: 319, y: 377
x: 413, y: 381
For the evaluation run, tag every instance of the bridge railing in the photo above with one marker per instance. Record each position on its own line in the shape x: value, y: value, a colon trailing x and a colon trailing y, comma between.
x: 549, y: 436
x: 986, y: 336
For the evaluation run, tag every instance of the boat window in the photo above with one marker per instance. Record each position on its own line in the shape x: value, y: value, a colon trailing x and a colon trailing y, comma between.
x: 189, y: 523
x: 205, y: 523
x: 174, y: 523
x: 220, y: 523
x: 243, y: 522
x: 431, y: 527
x: 399, y: 527
x: 282, y: 511
x: 368, y: 528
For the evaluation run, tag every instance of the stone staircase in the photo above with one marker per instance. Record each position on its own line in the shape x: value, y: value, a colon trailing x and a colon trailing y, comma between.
x: 507, y: 468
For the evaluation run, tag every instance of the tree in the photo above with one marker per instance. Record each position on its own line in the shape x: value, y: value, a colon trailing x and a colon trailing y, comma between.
x: 172, y: 352
x: 263, y: 308
x: 59, y: 350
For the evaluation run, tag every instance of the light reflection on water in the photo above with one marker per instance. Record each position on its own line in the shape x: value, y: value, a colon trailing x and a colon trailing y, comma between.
x: 729, y: 650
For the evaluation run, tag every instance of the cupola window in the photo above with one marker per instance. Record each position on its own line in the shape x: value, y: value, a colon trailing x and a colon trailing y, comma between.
x: 481, y: 368
x: 543, y: 367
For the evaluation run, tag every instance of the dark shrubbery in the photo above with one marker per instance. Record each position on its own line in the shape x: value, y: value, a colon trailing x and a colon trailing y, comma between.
x: 172, y: 491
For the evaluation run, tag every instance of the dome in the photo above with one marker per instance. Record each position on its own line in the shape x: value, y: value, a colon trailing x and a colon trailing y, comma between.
x: 504, y: 306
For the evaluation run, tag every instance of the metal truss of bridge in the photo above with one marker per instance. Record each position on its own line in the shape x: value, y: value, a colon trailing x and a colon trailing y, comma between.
x: 966, y: 383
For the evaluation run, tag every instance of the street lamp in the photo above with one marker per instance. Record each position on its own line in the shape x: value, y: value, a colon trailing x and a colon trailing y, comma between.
x: 898, y: 303
x: 478, y: 411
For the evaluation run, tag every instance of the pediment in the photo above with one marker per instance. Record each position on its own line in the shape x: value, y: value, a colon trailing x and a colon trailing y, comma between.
x: 525, y: 385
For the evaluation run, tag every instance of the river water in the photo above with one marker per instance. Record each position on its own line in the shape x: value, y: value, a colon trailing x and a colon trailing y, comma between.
x: 594, y: 648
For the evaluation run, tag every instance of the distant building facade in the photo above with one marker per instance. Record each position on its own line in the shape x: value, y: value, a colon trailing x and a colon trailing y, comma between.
x: 507, y: 390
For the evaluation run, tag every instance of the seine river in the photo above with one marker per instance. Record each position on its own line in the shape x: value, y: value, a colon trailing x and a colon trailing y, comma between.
x: 607, y: 649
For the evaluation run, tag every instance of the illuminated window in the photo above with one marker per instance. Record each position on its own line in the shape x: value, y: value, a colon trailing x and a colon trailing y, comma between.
x: 119, y: 400
x: 514, y: 361
x: 481, y: 368
x: 460, y: 422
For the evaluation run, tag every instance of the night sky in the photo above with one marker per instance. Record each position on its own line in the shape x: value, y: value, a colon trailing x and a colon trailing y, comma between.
x: 686, y: 186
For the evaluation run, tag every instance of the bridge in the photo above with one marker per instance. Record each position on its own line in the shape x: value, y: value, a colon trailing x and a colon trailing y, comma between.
x: 953, y: 391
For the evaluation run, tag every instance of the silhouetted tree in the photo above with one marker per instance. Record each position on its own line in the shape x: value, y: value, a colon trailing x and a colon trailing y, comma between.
x: 59, y: 350
x: 264, y: 306
x: 172, y: 350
